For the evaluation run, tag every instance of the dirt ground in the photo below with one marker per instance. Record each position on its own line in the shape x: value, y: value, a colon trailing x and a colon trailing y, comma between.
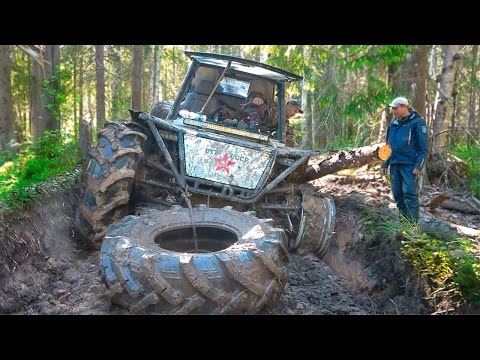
x: 43, y: 271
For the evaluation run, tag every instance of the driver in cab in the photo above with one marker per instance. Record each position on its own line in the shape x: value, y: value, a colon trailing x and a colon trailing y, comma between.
x: 252, y: 114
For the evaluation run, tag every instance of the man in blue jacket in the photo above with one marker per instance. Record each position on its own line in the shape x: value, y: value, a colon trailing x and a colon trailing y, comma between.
x: 407, y: 135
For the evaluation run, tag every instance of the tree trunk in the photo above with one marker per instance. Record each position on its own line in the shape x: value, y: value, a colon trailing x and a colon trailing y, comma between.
x: 477, y: 132
x: 6, y: 102
x: 148, y: 98
x: 57, y: 85
x: 81, y: 92
x: 452, y: 135
x: 17, y: 126
x: 137, y: 77
x: 410, y: 79
x: 472, y: 104
x: 91, y: 117
x: 446, y: 230
x: 44, y: 105
x: 459, y: 205
x: 36, y: 122
x: 334, y: 119
x: 431, y: 80
x: 443, y: 111
x: 50, y: 104
x: 174, y: 68
x: 116, y: 98
x: 26, y: 98
x: 383, y: 126
x: 432, y: 68
x: 84, y: 140
x: 342, y: 160
x: 304, y: 125
x: 385, y: 116
x: 421, y: 67
x: 100, y: 84
x: 164, y: 80
x: 85, y: 128
x: 75, y: 81
x: 397, y: 73
x: 157, y: 59
x: 312, y: 113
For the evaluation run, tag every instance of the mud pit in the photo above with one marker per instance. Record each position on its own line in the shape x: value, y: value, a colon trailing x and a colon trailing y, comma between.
x: 43, y: 271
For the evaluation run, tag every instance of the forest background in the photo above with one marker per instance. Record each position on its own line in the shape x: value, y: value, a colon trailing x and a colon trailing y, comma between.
x: 55, y: 98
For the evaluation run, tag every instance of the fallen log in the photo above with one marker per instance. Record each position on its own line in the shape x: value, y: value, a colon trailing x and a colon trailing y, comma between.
x: 459, y: 205
x: 447, y: 201
x: 475, y: 200
x: 446, y: 230
x: 341, y: 160
x: 437, y: 200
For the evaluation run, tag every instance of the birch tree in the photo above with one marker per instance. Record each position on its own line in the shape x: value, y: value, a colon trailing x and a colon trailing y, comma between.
x: 304, y: 125
x: 432, y: 67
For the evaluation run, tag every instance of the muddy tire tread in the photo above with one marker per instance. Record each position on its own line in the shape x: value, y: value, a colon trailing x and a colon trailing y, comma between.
x: 109, y: 183
x: 252, y: 273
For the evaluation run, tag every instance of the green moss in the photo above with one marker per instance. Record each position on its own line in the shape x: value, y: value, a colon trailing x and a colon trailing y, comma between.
x: 450, y: 268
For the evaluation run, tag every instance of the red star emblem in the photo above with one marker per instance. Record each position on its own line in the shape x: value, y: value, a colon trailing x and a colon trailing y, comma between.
x: 224, y: 163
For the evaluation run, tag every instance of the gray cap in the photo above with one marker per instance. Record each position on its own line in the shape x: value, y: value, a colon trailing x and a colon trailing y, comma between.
x: 398, y: 101
x: 296, y: 104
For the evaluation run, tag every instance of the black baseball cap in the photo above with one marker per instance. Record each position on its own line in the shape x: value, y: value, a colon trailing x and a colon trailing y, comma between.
x: 296, y: 104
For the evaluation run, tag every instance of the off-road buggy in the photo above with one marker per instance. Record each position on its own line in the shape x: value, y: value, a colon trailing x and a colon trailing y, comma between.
x: 220, y: 204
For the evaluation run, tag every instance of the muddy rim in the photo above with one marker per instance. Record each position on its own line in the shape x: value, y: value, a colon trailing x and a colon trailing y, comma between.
x: 316, y: 225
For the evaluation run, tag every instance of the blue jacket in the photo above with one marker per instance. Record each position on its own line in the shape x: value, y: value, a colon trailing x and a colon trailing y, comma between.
x: 408, y: 138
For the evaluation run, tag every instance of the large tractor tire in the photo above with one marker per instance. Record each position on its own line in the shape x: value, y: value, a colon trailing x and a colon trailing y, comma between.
x: 109, y: 180
x: 151, y: 264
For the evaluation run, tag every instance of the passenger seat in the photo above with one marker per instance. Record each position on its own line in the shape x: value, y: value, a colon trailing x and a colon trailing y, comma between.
x: 195, y: 100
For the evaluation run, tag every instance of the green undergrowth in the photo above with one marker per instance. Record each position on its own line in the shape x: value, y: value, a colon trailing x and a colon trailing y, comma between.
x: 451, y: 269
x: 471, y: 155
x: 47, y: 165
